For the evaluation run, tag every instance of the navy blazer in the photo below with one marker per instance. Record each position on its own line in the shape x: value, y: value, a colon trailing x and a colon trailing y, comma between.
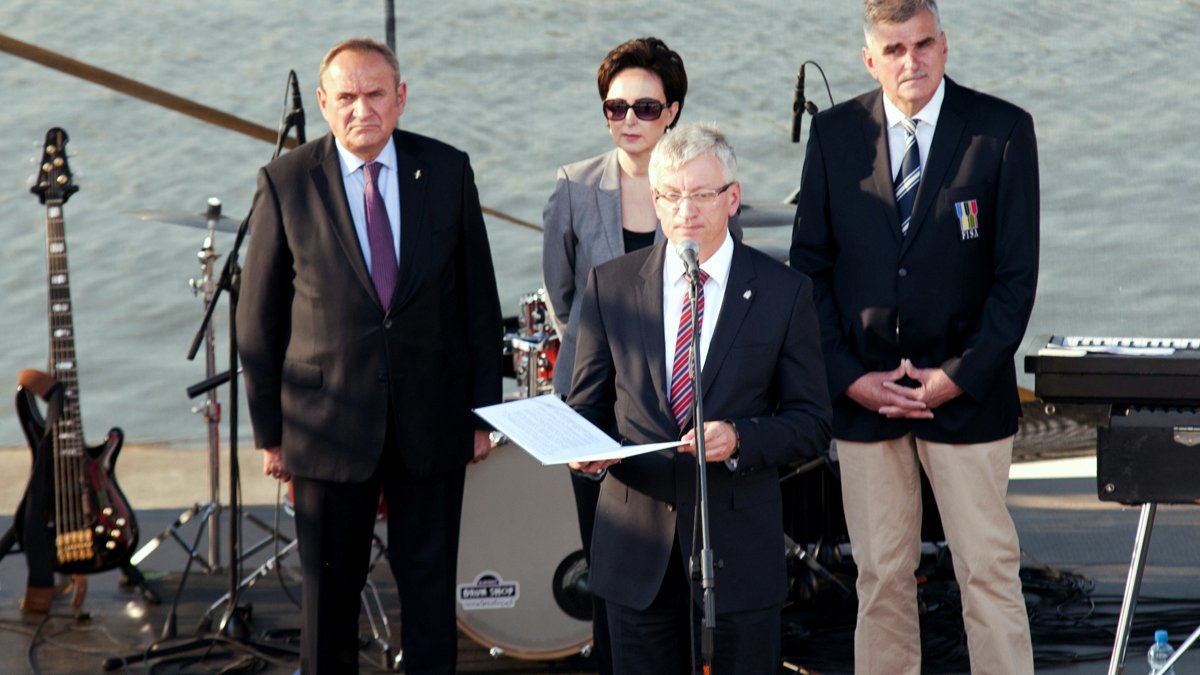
x: 321, y: 356
x: 956, y: 292
x: 763, y: 372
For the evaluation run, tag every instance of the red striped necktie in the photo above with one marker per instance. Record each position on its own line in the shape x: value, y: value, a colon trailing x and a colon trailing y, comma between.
x: 681, y: 394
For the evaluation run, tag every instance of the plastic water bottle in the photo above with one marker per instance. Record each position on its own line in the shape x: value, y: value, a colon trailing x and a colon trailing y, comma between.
x: 1159, y: 653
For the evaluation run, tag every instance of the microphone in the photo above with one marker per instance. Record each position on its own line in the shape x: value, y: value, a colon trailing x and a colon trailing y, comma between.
x: 689, y: 252
x: 297, y: 114
x: 800, y: 105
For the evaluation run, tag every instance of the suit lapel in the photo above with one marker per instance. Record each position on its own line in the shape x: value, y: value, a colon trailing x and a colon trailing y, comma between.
x: 649, y: 294
x: 739, y: 295
x: 608, y: 203
x: 875, y: 135
x: 946, y: 137
x: 326, y: 174
x: 411, y: 182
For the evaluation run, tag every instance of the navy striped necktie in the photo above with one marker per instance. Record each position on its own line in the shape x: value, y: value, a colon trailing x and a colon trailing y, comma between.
x: 909, y: 176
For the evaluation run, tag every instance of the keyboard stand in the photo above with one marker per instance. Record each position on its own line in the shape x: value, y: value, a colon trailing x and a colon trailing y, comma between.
x: 1133, y: 584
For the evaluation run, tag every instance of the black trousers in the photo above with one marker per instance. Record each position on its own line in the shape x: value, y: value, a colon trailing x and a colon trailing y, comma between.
x: 664, y: 638
x: 334, y: 526
x: 587, y: 494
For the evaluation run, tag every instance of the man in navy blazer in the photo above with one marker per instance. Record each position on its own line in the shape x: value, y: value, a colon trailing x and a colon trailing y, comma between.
x: 369, y: 327
x: 764, y: 396
x: 919, y: 328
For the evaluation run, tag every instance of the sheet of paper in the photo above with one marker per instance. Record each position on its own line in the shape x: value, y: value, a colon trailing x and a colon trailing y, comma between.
x: 553, y: 433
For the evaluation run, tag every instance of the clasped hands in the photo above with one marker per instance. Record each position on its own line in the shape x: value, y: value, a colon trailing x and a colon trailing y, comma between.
x: 880, y: 391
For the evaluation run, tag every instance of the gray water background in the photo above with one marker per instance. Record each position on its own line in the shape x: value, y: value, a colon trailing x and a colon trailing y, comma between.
x: 1111, y: 87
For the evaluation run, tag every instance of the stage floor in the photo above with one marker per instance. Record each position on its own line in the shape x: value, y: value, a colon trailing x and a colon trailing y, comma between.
x: 1064, y: 529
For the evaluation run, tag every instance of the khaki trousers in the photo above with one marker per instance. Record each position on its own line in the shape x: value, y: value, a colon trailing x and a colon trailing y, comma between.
x: 881, y: 493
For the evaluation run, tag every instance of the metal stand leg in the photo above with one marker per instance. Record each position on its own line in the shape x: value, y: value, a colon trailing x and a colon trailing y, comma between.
x: 1133, y: 584
x: 1179, y: 652
x: 211, y: 409
x: 172, y: 531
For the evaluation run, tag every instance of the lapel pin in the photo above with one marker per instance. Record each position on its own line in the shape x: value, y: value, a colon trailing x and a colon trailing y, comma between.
x: 417, y: 175
x: 747, y: 294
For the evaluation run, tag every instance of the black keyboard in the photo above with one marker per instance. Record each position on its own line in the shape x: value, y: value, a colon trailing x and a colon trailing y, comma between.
x: 1115, y: 370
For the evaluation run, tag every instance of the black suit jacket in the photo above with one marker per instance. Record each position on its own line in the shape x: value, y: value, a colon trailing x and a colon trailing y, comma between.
x: 945, y: 295
x: 322, y: 358
x: 763, y: 372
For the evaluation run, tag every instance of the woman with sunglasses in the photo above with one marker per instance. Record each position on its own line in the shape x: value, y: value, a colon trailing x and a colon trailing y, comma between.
x: 603, y: 208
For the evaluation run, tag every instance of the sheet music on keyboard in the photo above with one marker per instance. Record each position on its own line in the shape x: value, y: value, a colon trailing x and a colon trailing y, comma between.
x: 1121, y: 346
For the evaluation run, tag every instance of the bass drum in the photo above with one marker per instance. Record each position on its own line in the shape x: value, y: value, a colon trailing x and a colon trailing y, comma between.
x: 522, y: 575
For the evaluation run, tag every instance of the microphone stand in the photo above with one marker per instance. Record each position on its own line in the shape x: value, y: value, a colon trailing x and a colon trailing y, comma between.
x: 234, y: 624
x: 707, y: 583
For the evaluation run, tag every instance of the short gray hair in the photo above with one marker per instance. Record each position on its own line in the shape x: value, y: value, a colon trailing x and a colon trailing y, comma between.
x: 687, y: 142
x: 359, y: 44
x: 876, y: 12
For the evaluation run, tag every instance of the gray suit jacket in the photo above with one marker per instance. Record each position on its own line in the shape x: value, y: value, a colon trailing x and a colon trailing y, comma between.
x: 582, y: 222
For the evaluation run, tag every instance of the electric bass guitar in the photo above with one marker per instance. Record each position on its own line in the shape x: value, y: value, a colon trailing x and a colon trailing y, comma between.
x: 73, y: 519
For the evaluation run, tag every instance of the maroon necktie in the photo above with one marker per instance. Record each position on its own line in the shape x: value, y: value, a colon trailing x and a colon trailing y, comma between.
x: 379, y: 236
x: 681, y: 393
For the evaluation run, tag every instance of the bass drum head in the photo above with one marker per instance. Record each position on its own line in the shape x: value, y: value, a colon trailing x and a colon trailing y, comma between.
x: 522, y: 577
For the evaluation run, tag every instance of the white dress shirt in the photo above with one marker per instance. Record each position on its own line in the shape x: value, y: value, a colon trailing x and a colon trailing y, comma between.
x: 927, y: 118
x: 675, y: 289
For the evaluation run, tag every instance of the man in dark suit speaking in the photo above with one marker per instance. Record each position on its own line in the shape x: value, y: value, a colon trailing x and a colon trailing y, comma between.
x: 918, y: 223
x: 762, y: 382
x: 369, y: 327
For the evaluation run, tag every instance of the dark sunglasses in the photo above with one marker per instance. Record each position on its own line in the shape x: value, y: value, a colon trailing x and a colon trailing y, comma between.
x: 646, y: 109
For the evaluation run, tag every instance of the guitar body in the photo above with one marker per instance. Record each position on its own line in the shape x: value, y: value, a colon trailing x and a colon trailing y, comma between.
x: 73, y: 518
x: 104, y: 534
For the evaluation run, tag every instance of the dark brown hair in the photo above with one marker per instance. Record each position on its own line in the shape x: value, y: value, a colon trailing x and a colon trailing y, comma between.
x: 648, y: 53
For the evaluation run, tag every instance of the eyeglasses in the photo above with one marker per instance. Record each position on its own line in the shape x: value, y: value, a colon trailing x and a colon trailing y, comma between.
x: 646, y: 109
x: 700, y: 198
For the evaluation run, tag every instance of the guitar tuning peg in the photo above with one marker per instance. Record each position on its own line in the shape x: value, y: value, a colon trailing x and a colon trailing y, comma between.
x: 31, y: 181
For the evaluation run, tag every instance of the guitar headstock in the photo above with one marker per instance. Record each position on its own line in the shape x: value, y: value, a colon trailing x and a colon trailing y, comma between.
x: 54, y: 175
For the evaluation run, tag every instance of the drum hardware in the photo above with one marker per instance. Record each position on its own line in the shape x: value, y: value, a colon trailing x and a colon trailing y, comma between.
x: 531, y: 363
x: 204, y: 287
x: 570, y: 586
x: 534, y: 346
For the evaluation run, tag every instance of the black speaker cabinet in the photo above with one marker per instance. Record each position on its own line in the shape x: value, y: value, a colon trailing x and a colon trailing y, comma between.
x: 1149, y: 455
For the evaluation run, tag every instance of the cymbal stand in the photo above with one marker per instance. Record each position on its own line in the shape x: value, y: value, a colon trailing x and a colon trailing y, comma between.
x: 211, y: 409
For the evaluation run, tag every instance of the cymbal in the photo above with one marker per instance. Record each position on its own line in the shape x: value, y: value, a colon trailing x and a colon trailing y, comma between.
x: 199, y: 220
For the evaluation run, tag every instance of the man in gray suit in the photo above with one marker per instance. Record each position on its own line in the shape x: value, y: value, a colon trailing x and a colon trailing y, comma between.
x: 369, y: 327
